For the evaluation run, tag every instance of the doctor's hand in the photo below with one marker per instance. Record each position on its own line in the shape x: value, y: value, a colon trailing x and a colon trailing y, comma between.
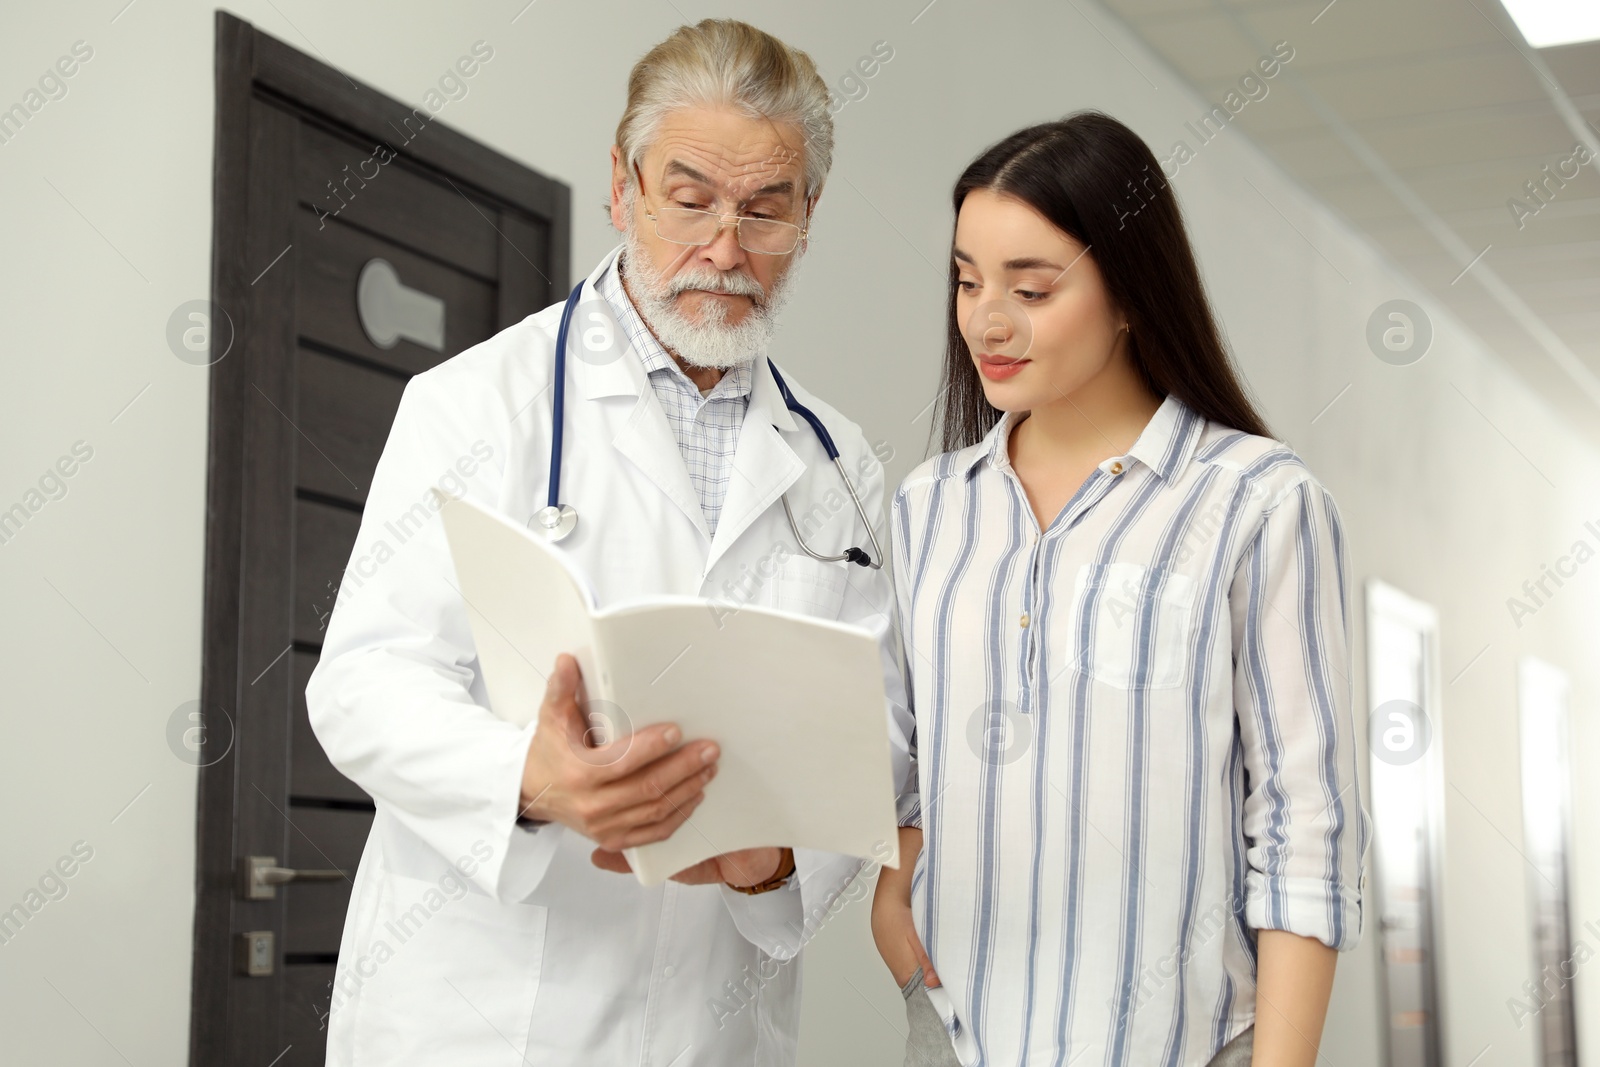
x: 631, y: 791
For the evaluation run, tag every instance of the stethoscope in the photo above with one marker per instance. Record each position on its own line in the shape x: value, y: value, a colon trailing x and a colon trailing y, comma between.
x: 556, y: 520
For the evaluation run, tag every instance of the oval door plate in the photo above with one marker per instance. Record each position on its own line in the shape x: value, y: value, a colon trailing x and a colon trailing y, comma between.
x: 389, y: 310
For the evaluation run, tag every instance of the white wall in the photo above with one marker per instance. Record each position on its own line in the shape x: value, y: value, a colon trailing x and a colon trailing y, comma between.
x: 106, y: 200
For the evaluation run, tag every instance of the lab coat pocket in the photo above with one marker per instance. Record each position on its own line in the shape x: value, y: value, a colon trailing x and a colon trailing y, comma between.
x: 1139, y: 623
x: 808, y: 586
x: 449, y: 975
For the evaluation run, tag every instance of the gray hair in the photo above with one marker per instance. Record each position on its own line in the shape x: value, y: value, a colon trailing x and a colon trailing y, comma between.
x: 728, y: 63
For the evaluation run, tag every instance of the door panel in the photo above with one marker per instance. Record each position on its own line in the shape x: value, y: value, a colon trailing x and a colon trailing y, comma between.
x: 311, y: 776
x: 301, y: 407
x: 324, y: 536
x: 305, y: 1008
x: 327, y: 294
x: 347, y: 409
x: 321, y: 838
x: 455, y: 230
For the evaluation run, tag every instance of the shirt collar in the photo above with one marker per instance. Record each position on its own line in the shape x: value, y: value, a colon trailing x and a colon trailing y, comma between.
x: 1166, y: 444
x: 735, y: 382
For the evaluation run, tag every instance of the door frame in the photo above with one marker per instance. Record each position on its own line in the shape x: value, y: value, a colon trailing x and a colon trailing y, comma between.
x: 254, y: 323
x: 1387, y: 601
x: 1538, y: 677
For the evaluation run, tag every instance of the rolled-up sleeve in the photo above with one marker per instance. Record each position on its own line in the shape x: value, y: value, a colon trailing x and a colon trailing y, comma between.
x: 1303, y: 815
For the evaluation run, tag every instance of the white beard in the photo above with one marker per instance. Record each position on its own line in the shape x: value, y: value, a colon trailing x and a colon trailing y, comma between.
x: 713, y: 342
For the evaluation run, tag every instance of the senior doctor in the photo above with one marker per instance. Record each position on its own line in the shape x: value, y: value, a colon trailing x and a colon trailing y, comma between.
x: 493, y: 919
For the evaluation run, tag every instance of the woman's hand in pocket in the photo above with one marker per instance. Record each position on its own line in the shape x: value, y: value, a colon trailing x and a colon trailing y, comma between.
x: 893, y: 929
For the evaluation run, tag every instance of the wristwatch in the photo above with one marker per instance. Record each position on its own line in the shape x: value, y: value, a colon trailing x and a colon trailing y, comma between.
x: 779, y: 878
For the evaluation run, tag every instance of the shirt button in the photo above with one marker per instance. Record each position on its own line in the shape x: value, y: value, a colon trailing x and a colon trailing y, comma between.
x: 1024, y: 619
x: 668, y: 971
x: 1116, y: 467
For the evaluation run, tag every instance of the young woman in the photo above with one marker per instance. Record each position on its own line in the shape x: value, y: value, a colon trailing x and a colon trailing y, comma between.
x: 1135, y: 806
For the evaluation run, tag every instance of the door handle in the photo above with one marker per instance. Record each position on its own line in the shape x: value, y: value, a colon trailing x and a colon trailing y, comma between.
x: 260, y: 877
x: 389, y: 309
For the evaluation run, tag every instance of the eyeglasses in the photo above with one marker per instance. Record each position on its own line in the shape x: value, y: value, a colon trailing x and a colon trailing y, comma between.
x: 691, y: 226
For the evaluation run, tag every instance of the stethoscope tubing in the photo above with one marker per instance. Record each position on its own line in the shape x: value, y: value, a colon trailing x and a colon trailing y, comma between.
x: 558, y: 428
x: 559, y: 402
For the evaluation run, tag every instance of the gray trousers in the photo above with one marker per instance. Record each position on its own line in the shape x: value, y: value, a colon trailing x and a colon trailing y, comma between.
x: 1235, y: 1053
x: 928, y: 1042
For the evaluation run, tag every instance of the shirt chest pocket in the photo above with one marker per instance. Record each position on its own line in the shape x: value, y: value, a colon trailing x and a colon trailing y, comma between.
x: 1133, y: 624
x: 807, y: 586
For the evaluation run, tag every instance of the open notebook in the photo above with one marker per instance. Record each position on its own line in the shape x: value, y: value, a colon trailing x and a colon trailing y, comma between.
x: 796, y: 703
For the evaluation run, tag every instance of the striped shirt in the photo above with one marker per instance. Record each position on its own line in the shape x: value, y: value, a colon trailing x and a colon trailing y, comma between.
x: 1134, y: 741
x: 706, y: 425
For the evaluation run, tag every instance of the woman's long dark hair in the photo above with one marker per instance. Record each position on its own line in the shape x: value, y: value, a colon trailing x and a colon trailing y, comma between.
x: 1095, y: 180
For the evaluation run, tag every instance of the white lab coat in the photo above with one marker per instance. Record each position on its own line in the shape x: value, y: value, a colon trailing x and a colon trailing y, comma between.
x: 532, y: 954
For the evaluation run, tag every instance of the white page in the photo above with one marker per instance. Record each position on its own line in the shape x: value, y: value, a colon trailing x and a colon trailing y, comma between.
x: 525, y: 606
x: 798, y: 708
x: 796, y: 704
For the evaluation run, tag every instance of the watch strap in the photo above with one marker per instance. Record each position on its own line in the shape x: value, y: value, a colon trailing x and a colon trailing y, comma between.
x: 779, y: 878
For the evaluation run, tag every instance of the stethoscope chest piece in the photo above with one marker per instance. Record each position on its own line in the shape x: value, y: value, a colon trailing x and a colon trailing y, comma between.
x: 554, y: 522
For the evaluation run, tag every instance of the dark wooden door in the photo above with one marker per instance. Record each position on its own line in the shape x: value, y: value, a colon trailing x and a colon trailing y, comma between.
x: 316, y: 179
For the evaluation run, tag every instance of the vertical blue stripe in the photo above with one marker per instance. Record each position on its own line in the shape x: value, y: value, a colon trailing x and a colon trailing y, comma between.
x: 933, y: 812
x: 991, y: 770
